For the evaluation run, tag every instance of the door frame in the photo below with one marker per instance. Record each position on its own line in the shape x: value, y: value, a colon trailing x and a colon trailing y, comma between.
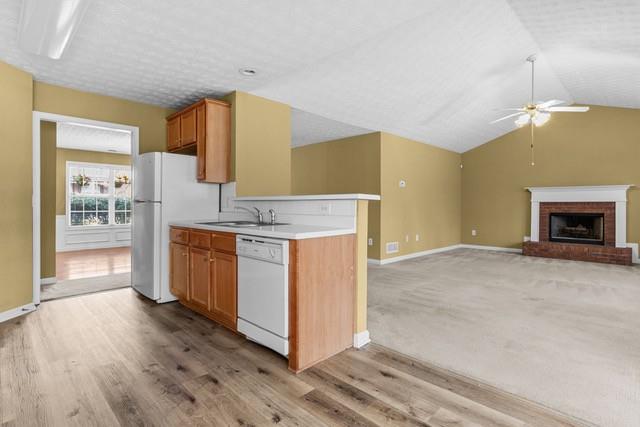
x: 39, y: 116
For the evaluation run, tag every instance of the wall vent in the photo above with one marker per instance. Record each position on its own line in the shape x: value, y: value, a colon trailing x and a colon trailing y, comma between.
x: 393, y: 247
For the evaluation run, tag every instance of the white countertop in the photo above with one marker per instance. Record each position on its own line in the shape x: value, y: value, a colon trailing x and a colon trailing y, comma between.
x: 290, y: 231
x: 354, y: 196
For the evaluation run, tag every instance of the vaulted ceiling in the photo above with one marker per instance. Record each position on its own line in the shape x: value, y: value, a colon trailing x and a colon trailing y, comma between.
x: 435, y: 71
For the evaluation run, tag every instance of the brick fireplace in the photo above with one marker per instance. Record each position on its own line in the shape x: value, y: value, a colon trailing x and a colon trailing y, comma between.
x: 579, y: 223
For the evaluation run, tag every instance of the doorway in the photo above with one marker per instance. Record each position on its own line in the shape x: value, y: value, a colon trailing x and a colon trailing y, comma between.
x: 83, y: 210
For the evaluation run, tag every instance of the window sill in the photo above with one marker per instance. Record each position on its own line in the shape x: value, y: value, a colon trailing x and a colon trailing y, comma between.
x: 97, y: 227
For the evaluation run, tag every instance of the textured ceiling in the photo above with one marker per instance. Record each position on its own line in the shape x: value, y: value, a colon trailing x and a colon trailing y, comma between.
x: 435, y: 71
x: 91, y: 138
x: 308, y: 128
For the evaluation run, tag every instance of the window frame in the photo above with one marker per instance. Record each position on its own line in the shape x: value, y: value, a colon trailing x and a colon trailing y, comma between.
x: 113, y: 168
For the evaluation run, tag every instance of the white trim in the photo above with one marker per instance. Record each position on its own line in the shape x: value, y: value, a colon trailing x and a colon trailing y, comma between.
x: 492, y: 248
x: 621, y: 224
x: 635, y: 257
x: 18, y: 311
x: 535, y: 222
x: 360, y: 339
x: 412, y: 255
x: 595, y: 193
x: 39, y: 116
x: 48, y: 280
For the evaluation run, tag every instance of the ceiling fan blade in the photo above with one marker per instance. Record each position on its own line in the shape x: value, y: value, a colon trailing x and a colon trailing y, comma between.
x: 551, y: 103
x: 576, y: 109
x: 510, y: 109
x: 523, y: 120
x: 505, y: 117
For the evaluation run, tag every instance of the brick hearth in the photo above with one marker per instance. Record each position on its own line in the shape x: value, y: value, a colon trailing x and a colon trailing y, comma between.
x: 579, y: 252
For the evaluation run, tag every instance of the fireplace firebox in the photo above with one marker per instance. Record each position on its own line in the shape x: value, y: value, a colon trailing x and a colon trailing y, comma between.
x: 586, y: 228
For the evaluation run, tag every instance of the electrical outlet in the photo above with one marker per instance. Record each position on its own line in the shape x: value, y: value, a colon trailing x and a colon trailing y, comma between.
x: 406, y: 238
x: 474, y: 233
x: 417, y: 237
x: 370, y: 241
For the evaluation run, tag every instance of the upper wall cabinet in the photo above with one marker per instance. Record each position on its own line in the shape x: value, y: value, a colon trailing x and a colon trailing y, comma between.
x: 204, y: 127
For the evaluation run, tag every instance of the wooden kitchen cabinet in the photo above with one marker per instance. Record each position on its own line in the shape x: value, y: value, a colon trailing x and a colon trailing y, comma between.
x: 188, y: 128
x: 179, y: 270
x: 173, y: 134
x: 206, y: 128
x: 205, y: 280
x: 224, y: 287
x: 199, y: 278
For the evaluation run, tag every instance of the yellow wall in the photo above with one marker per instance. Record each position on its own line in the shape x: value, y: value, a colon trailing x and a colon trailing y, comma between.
x: 429, y: 205
x: 374, y: 163
x: 16, y: 189
x: 64, y: 155
x: 149, y: 119
x: 47, y: 200
x: 347, y: 165
x: 599, y: 147
x: 261, y: 145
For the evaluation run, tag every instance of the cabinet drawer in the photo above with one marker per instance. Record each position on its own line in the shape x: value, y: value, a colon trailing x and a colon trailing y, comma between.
x: 200, y: 239
x: 225, y: 242
x: 179, y: 235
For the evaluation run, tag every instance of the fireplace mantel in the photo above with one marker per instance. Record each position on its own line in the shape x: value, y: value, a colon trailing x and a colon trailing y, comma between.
x: 597, y: 193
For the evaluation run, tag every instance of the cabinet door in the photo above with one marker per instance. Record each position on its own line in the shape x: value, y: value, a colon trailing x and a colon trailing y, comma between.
x: 188, y: 127
x: 199, y: 288
x: 173, y: 133
x: 179, y: 270
x: 218, y: 143
x: 201, y: 142
x: 224, y: 285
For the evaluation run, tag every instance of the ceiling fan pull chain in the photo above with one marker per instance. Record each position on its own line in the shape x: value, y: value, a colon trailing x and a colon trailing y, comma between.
x: 533, y: 158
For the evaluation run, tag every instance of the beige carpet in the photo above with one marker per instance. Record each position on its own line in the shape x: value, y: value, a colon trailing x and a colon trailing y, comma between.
x: 67, y: 288
x: 562, y: 333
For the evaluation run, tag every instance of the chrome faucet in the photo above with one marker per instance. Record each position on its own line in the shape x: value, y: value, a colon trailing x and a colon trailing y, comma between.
x: 273, y: 216
x: 259, y: 214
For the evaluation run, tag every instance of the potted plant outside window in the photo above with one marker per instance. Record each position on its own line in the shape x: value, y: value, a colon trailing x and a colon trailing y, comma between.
x: 79, y: 181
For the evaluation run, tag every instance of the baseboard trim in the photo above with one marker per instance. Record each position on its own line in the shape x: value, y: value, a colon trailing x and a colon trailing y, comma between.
x: 439, y: 250
x: 360, y: 339
x: 18, y: 311
x: 411, y: 255
x: 48, y: 280
x: 492, y: 248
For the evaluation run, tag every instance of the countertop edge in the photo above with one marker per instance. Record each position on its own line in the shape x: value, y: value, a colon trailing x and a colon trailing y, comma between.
x: 276, y: 234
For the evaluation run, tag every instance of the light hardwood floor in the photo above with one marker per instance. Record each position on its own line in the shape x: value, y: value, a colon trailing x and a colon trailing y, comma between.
x: 92, y: 263
x: 118, y: 359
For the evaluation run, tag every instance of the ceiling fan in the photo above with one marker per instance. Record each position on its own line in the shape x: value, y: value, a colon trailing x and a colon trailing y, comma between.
x: 539, y: 113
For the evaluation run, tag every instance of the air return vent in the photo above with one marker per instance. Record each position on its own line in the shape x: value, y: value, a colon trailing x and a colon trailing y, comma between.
x: 393, y: 247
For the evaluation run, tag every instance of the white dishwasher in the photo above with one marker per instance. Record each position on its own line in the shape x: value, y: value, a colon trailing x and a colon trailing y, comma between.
x: 263, y: 291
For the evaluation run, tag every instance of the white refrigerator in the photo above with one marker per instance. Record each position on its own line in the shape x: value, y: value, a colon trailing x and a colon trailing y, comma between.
x: 165, y: 189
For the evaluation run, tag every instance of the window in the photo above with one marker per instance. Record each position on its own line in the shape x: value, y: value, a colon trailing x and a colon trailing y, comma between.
x: 98, y: 194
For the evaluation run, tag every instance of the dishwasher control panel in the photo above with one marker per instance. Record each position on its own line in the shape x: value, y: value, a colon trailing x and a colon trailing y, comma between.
x: 271, y: 250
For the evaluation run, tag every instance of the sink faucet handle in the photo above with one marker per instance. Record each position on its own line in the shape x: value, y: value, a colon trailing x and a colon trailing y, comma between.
x: 273, y: 216
x: 259, y: 214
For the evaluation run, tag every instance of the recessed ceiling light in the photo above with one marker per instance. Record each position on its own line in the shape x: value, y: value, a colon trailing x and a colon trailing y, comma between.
x: 249, y: 72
